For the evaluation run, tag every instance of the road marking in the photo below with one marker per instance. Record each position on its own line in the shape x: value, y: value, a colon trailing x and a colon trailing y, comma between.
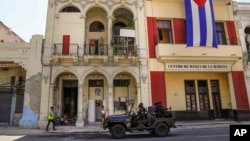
x: 212, y: 136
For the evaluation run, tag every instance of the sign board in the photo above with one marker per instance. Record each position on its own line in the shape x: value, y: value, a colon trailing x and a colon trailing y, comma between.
x: 198, y: 67
x: 127, y: 33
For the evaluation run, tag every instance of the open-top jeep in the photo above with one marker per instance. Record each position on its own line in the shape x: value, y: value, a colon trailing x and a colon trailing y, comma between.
x: 152, y: 122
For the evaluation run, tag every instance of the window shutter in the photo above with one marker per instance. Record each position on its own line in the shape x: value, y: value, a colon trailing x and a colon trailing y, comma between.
x: 232, y: 33
x: 158, y: 87
x: 179, y: 30
x: 152, y: 36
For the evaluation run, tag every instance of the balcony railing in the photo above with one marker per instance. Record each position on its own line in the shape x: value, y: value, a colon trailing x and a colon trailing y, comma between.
x: 96, y: 50
x: 129, y: 50
x: 73, y: 49
x: 101, y: 49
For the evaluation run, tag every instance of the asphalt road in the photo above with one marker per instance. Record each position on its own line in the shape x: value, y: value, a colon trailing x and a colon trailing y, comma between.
x: 210, y: 134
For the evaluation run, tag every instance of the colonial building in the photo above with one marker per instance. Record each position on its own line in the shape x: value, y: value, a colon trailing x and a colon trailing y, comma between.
x: 111, y: 52
x: 94, y: 54
x: 20, y: 81
x: 196, y: 81
x: 20, y: 70
x: 242, y: 18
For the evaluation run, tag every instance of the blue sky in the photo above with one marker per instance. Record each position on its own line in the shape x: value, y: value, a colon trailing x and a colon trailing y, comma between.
x: 28, y: 17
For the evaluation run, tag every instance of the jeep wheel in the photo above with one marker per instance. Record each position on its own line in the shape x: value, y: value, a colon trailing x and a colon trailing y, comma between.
x: 161, y: 130
x: 118, y: 131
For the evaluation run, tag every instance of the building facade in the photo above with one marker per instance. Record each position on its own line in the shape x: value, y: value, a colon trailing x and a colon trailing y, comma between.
x: 7, y: 35
x: 110, y: 52
x: 196, y: 82
x: 94, y: 54
x: 20, y: 82
x: 242, y: 18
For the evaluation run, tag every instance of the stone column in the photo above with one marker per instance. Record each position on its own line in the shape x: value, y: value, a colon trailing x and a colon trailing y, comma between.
x: 51, y: 93
x: 110, y: 50
x: 80, y: 122
x: 139, y: 96
x: 111, y: 100
x: 81, y: 48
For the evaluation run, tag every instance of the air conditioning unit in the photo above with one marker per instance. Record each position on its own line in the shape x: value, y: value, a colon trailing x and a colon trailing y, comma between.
x: 16, y: 80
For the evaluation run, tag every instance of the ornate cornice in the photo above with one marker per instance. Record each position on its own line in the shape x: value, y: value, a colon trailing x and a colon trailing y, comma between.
x: 109, y: 3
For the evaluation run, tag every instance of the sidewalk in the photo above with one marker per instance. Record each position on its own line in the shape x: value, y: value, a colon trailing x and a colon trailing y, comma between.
x: 181, y: 125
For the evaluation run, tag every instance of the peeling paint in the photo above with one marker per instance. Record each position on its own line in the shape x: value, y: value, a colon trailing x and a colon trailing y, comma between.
x: 29, y: 119
x: 31, y: 108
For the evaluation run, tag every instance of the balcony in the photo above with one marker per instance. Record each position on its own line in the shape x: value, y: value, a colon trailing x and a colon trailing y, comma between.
x: 88, y: 54
x: 172, y: 53
x: 101, y: 49
x: 130, y: 50
x: 73, y: 49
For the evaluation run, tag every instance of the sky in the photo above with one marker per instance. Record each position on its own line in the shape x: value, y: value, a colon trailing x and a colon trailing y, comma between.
x: 28, y: 17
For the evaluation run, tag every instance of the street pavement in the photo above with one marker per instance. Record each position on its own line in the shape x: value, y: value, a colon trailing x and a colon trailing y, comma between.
x: 95, y: 127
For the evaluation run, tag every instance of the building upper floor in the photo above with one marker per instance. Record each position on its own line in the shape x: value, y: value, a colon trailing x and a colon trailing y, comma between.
x: 102, y: 29
x: 169, y: 31
x: 242, y: 15
x: 7, y: 35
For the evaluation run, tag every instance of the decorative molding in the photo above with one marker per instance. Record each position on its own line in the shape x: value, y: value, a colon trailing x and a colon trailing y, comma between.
x: 63, y: 1
x: 140, y: 4
x: 82, y: 16
x: 239, y: 24
x: 46, y: 71
x: 52, y: 2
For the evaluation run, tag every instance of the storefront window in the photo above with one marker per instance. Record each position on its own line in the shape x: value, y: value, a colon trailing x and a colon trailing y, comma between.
x: 190, y: 95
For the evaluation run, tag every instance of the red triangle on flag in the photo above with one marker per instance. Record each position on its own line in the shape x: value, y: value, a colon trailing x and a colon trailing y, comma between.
x: 200, y: 3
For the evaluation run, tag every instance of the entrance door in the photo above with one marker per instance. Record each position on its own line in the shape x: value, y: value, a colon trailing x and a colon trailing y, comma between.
x: 96, y: 98
x: 216, y: 98
x: 66, y: 42
x: 70, y: 93
x: 5, y: 104
x: 96, y: 47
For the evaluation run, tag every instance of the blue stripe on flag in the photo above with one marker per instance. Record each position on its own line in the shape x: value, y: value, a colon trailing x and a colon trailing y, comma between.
x: 215, y: 39
x: 203, y: 26
x: 189, y: 21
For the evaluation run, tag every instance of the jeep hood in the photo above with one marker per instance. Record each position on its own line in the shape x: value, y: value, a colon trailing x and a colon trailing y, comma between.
x: 117, y: 117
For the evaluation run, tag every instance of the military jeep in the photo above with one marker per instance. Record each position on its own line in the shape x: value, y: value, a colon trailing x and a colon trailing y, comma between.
x: 118, y: 125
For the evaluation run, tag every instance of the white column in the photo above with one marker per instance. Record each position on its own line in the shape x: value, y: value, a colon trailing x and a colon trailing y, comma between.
x: 81, y: 50
x: 110, y: 50
x: 80, y: 122
x: 111, y: 100
x: 51, y: 93
x: 139, y: 96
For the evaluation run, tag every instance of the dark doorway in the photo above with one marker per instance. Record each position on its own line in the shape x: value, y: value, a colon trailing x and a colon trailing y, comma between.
x: 70, y: 92
x: 5, y: 104
x: 96, y: 47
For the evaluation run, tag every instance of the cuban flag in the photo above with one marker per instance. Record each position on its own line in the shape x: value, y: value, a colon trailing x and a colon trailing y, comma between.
x: 200, y: 23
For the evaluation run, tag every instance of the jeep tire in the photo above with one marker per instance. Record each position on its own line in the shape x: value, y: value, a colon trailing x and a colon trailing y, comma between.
x: 118, y: 131
x: 161, y: 130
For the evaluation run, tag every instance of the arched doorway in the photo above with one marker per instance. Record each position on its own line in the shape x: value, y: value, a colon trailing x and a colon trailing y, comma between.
x: 65, y: 98
x: 125, y: 90
x: 97, y: 93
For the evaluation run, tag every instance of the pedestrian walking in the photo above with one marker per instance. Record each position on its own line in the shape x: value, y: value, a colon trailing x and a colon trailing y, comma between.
x: 103, y: 114
x: 51, y: 119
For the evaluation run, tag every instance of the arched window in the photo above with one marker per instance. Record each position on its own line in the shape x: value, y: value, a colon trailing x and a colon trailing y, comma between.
x: 70, y: 9
x: 96, y: 27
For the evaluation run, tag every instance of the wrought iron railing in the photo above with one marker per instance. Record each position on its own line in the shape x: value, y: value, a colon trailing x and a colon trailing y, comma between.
x: 72, y: 49
x: 101, y: 49
x: 97, y: 50
x: 129, y: 50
